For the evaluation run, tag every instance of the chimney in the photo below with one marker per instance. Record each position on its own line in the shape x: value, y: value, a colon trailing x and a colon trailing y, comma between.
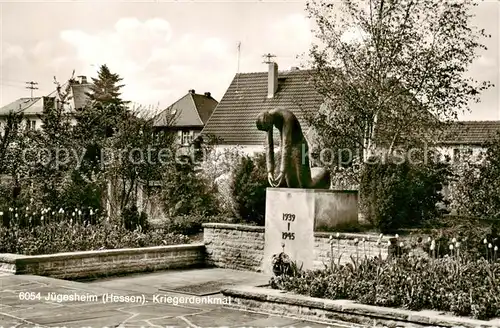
x: 83, y: 79
x: 191, y: 91
x: 294, y: 68
x: 272, y: 80
x: 208, y: 94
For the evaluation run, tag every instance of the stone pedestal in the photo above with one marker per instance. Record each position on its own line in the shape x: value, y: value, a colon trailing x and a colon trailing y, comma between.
x: 289, y: 221
x: 334, y: 208
x: 292, y: 216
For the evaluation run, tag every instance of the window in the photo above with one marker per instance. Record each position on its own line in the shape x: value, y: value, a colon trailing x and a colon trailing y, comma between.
x: 187, y: 137
x: 31, y: 124
x: 456, y: 154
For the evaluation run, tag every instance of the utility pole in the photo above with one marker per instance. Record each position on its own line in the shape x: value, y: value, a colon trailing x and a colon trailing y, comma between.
x: 31, y: 86
x: 268, y: 57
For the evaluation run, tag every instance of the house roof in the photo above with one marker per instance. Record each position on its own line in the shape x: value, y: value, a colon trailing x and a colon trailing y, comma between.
x: 34, y: 106
x: 469, y: 132
x: 191, y: 110
x: 26, y: 105
x: 233, y: 121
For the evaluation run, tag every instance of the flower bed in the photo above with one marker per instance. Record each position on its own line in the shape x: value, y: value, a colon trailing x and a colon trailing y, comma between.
x: 452, y: 284
x: 48, y: 232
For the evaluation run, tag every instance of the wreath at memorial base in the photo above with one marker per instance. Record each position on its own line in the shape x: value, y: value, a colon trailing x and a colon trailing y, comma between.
x: 282, y: 264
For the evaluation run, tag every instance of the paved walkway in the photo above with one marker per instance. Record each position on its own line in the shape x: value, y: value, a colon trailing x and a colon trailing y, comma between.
x: 152, y: 306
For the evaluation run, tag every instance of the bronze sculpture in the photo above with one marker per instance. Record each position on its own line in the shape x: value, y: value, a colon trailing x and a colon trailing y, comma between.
x: 294, y: 171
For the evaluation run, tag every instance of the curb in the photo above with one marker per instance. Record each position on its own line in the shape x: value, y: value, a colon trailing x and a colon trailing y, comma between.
x: 274, y: 301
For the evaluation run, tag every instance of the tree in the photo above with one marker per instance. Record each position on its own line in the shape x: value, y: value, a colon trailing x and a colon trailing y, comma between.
x: 136, y: 156
x: 104, y: 109
x: 57, y: 150
x: 392, y: 71
x: 10, y: 130
x: 10, y: 165
x: 96, y: 123
x: 105, y: 88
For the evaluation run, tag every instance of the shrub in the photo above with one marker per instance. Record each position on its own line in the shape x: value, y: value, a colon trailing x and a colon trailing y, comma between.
x: 82, y: 193
x: 248, y: 188
x: 185, y: 192
x: 133, y: 220
x: 218, y: 168
x: 193, y: 224
x: 475, y: 190
x: 401, y: 195
x: 465, y: 288
x: 187, y: 224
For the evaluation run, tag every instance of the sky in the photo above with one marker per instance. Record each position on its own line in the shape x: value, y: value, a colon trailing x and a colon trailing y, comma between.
x: 163, y: 49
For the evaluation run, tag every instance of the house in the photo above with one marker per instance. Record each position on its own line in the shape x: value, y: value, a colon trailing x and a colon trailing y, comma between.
x: 187, y: 116
x: 467, y: 138
x: 32, y: 108
x: 233, y: 121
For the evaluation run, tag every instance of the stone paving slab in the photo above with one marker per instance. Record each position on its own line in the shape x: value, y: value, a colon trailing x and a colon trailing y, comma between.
x: 209, y: 312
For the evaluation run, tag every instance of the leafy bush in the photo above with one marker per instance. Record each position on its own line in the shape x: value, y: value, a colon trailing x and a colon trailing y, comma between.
x: 82, y: 193
x: 475, y: 190
x: 248, y: 188
x: 465, y: 288
x: 218, y: 168
x: 132, y: 219
x: 187, y: 224
x: 191, y: 224
x: 185, y: 192
x: 399, y: 195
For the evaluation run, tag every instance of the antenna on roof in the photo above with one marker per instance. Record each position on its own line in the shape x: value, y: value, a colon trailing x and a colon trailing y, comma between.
x: 238, y: 67
x: 268, y: 57
x: 32, y: 87
x: 239, y: 52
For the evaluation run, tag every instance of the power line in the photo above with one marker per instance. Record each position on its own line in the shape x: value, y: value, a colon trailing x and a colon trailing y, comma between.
x: 2, y: 79
x: 12, y: 85
x: 31, y: 86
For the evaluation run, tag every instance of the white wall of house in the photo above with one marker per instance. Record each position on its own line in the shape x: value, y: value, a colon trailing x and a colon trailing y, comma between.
x: 455, y: 152
x: 186, y: 136
x: 32, y: 122
x: 246, y: 149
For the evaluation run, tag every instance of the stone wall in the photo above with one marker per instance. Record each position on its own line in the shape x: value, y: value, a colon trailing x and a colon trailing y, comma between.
x: 234, y: 246
x: 106, y: 262
x: 241, y: 247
